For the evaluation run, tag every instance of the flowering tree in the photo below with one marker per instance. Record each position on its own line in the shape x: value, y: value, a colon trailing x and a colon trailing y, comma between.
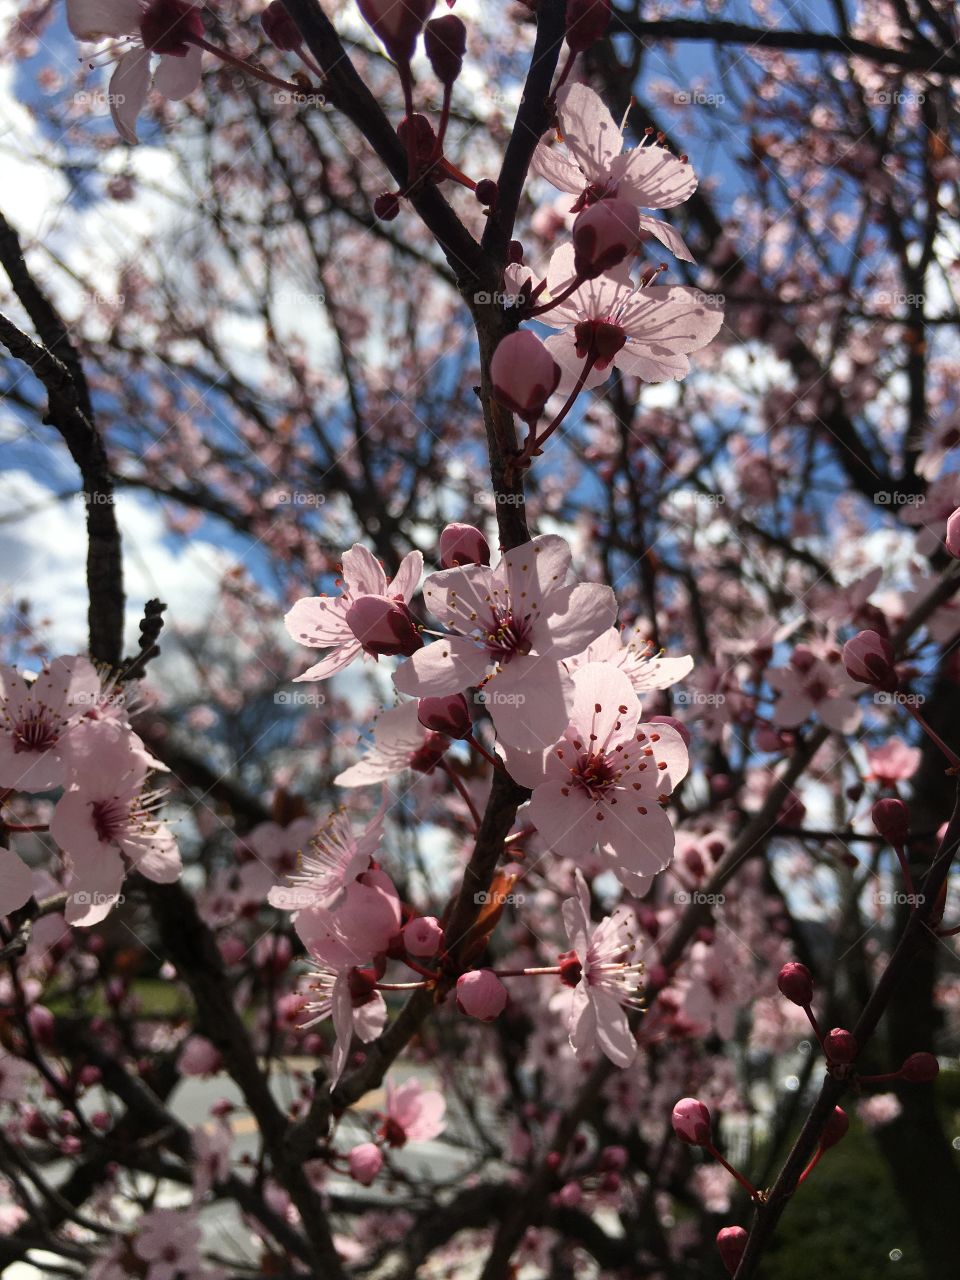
x: 532, y: 851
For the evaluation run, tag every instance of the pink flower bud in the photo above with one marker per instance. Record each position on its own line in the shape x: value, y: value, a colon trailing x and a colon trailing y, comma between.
x: 587, y: 22
x: 891, y: 817
x: 920, y: 1068
x: 445, y: 43
x: 365, y: 1163
x: 868, y: 658
x: 387, y: 206
x: 796, y: 983
x: 487, y: 192
x: 836, y: 1127
x: 731, y: 1242
x: 569, y: 1196
x: 423, y: 936
x: 462, y: 544
x: 952, y: 540
x: 840, y: 1046
x: 691, y: 1122
x: 448, y: 714
x: 170, y: 26
x: 199, y: 1057
x: 101, y: 1120
x: 524, y: 374
x: 613, y: 1159
x: 279, y: 28
x: 426, y: 758
x: 674, y: 723
x: 385, y: 628
x: 397, y: 23
x: 603, y: 235
x: 481, y: 994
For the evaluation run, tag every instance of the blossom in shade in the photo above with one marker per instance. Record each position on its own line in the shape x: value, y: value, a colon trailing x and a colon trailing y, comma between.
x: 16, y: 881
x: 347, y: 994
x: 892, y: 761
x: 524, y: 375
x: 511, y: 628
x: 603, y: 235
x: 168, y: 1240
x: 413, y: 1114
x: 606, y: 977
x: 166, y: 29
x: 809, y: 685
x: 36, y: 717
x: 320, y: 622
x: 397, y: 23
x: 337, y: 856
x: 868, y: 658
x: 592, y: 165
x: 104, y: 823
x: 647, y: 331
x: 602, y: 783
x: 400, y: 742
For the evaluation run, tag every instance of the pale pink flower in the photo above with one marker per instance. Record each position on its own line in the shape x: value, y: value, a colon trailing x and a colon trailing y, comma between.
x: 809, y: 685
x: 593, y: 165
x: 211, y: 1156
x: 646, y: 331
x: 163, y: 28
x: 893, y: 761
x: 355, y: 1006
x: 879, y: 1109
x: 320, y: 622
x: 400, y: 742
x: 336, y: 858
x: 602, y: 783
x: 35, y: 720
x: 645, y: 670
x: 105, y: 822
x: 168, y: 1240
x: 512, y: 627
x: 199, y: 1057
x: 414, y: 1114
x: 606, y: 977
x: 943, y: 438
x: 15, y: 1076
x: 16, y: 881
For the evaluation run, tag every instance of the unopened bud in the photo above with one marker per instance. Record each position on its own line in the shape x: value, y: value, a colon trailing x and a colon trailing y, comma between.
x: 840, y: 1046
x: 524, y: 374
x: 869, y: 659
x: 387, y: 206
x: 920, y: 1068
x: 445, y: 43
x: 279, y: 28
x: 486, y: 192
x: 423, y: 936
x: 836, y: 1127
x: 952, y: 540
x: 462, y: 544
x: 171, y: 26
x: 447, y: 714
x: 731, y: 1242
x: 397, y: 23
x: 691, y: 1122
x: 891, y: 817
x: 587, y: 22
x: 603, y: 235
x: 796, y: 983
x: 385, y: 628
x: 481, y: 994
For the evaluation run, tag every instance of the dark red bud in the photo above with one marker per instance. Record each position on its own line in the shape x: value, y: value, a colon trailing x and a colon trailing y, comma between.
x: 836, y: 1127
x: 731, y: 1242
x: 387, y: 206
x: 840, y: 1046
x: 445, y: 42
x: 796, y: 983
x: 891, y: 817
x: 920, y: 1068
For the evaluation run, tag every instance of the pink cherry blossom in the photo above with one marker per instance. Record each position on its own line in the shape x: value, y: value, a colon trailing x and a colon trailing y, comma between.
x: 809, y: 685
x: 163, y: 27
x: 647, y: 331
x: 400, y: 742
x: 893, y: 761
x: 320, y: 622
x: 593, y: 165
x: 168, y: 1240
x: 608, y: 978
x: 105, y: 822
x: 355, y: 1006
x: 413, y: 1114
x: 645, y: 670
x: 35, y: 719
x: 16, y: 881
x: 481, y: 994
x: 602, y: 783
x: 336, y: 858
x: 423, y: 936
x: 512, y: 627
